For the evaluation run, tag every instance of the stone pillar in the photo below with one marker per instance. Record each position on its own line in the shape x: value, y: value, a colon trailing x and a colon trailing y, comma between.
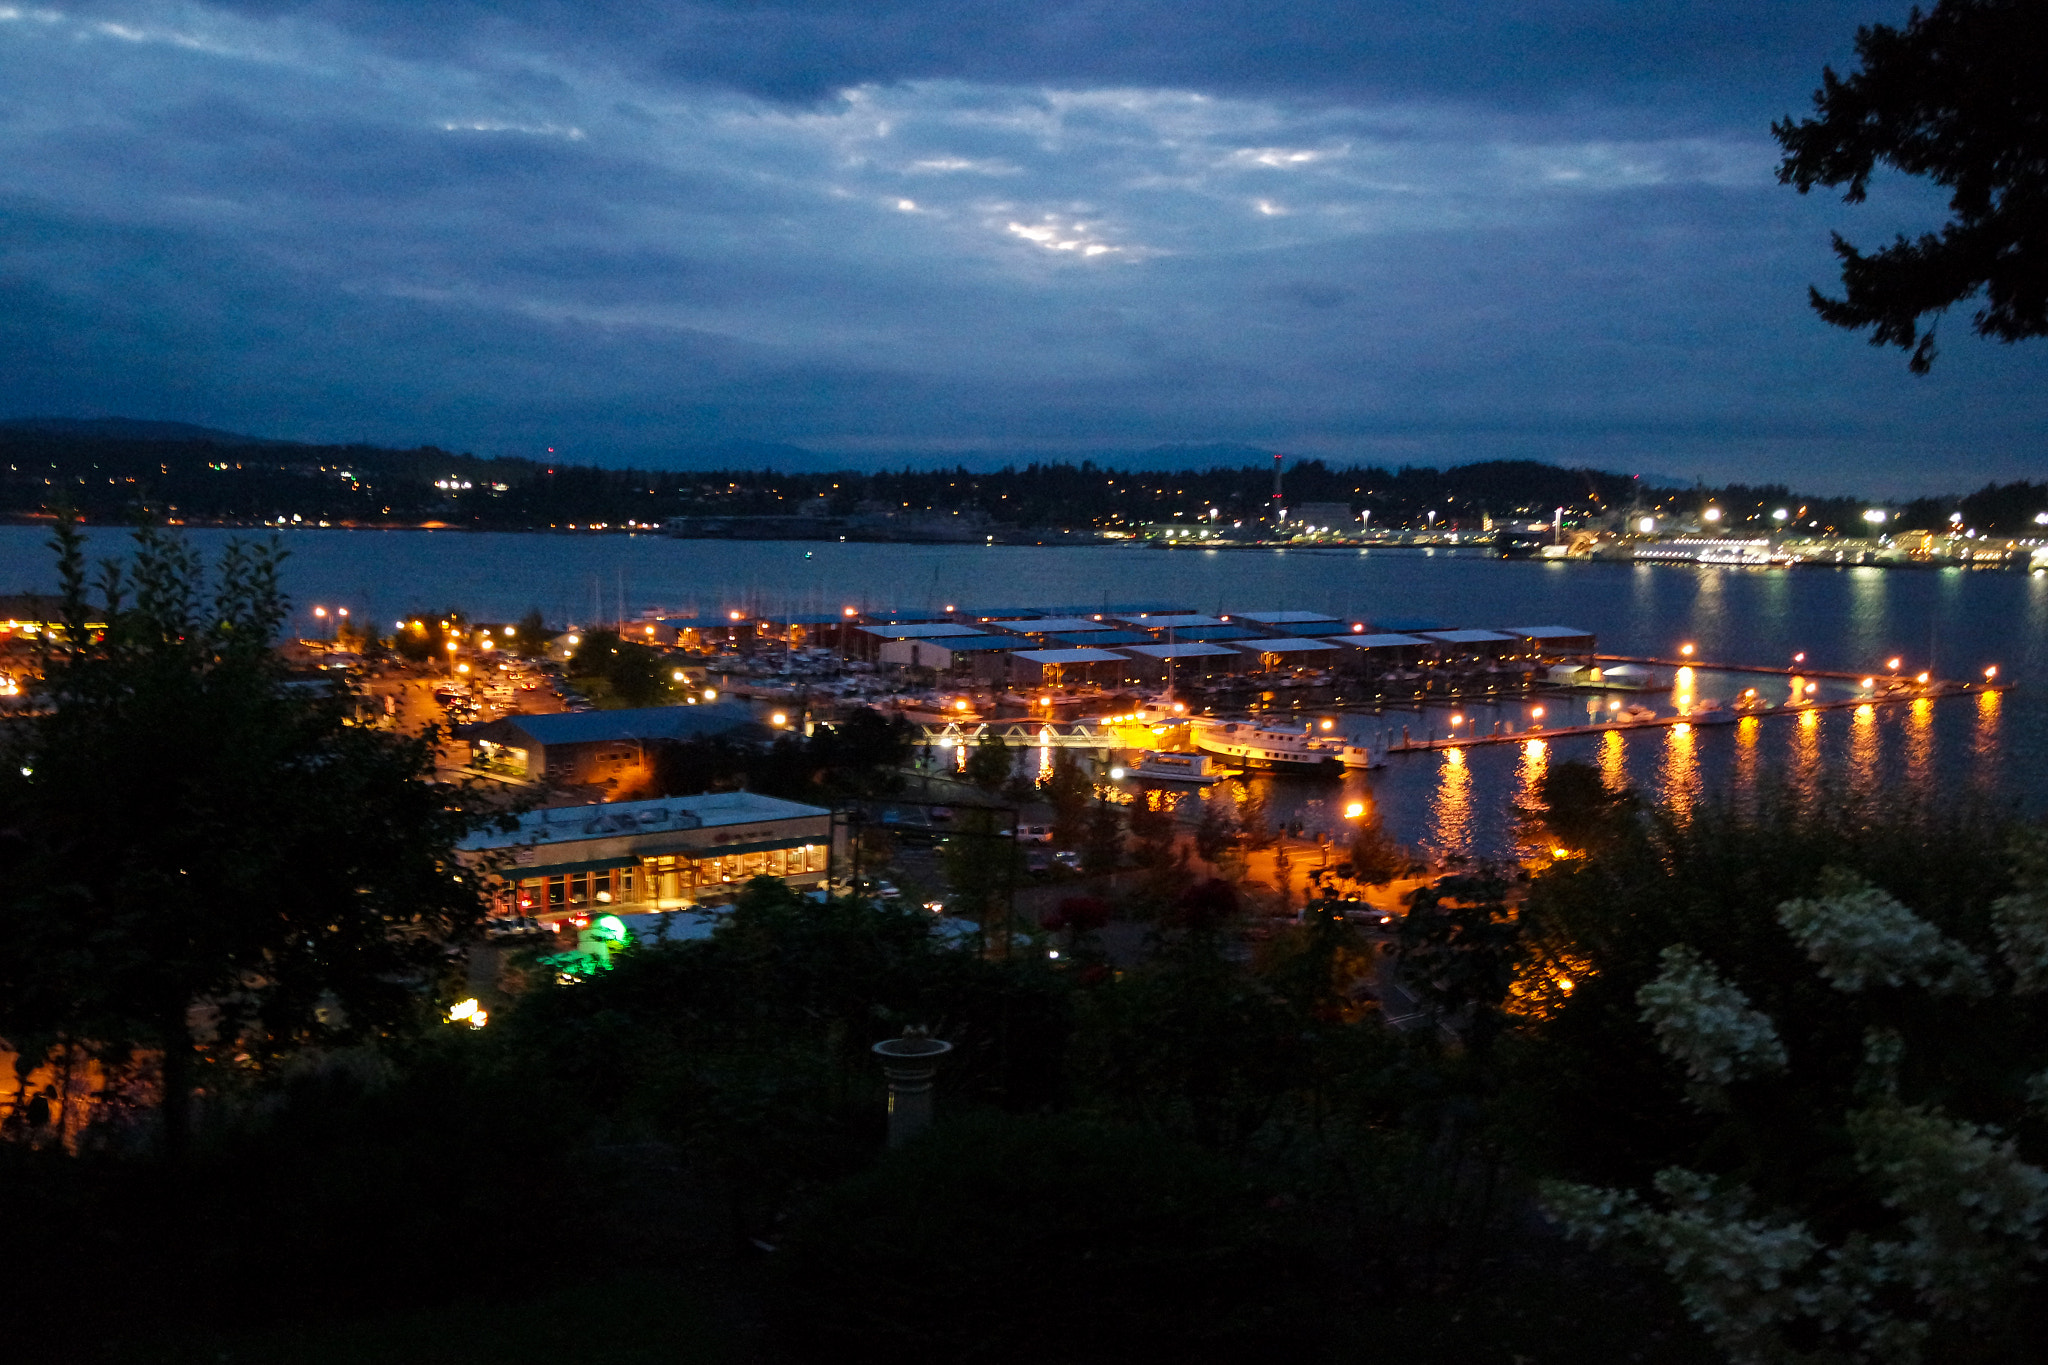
x: 910, y: 1062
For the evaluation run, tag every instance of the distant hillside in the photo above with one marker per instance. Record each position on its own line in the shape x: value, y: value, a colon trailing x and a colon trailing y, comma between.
x: 130, y: 429
x: 114, y: 469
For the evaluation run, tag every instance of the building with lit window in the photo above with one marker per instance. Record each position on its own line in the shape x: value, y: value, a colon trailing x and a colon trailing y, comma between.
x: 578, y: 748
x: 667, y: 854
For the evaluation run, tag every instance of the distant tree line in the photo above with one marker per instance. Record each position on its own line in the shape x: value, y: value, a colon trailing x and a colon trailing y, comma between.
x: 109, y: 478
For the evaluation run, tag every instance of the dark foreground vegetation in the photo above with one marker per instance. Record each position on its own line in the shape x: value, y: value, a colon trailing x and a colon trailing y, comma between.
x: 1757, y: 1083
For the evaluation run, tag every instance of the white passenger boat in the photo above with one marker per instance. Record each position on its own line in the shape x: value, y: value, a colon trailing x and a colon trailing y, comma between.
x: 1267, y: 749
x: 1193, y: 769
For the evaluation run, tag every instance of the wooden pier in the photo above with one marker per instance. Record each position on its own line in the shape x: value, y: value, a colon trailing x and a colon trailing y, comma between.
x: 1714, y: 719
x: 1770, y: 670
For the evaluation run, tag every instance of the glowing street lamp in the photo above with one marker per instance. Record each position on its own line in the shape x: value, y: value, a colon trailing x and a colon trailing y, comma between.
x: 1686, y: 650
x: 1355, y: 811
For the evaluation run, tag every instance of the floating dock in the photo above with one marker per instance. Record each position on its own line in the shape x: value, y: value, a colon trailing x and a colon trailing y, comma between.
x: 1714, y: 719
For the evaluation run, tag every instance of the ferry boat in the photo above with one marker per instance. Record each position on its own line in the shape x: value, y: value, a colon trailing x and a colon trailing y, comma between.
x: 1158, y: 766
x: 1264, y: 749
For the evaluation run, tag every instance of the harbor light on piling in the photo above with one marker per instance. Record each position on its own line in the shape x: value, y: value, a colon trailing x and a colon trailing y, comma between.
x: 711, y: 694
x: 1537, y: 712
x: 1991, y: 672
x: 1457, y: 720
x: 1869, y: 683
x: 1686, y: 650
x: 1892, y: 664
x: 1921, y: 679
x: 1329, y: 725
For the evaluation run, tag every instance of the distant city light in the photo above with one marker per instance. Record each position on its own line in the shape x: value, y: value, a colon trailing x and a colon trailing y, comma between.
x: 711, y: 694
x: 1874, y: 516
x: 1712, y: 514
x: 1780, y: 515
x: 1647, y: 525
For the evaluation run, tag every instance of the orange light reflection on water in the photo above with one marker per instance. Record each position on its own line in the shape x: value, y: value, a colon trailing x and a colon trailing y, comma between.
x: 1452, y: 813
x: 1920, y: 742
x: 1681, y: 770
x: 1805, y: 775
x: 1984, y: 745
x: 1863, y: 744
x: 1746, y: 731
x: 1614, y: 760
x: 1535, y: 762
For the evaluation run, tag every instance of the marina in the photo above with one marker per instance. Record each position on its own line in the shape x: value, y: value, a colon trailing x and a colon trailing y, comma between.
x: 1846, y: 622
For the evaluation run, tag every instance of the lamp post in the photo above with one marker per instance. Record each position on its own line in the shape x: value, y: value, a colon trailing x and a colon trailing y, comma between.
x: 910, y: 1062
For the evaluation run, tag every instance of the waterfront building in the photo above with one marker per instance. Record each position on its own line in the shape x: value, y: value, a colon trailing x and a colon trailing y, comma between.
x: 582, y: 748
x: 666, y: 854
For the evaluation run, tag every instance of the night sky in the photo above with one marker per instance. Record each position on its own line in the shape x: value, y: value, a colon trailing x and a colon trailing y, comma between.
x: 1402, y: 232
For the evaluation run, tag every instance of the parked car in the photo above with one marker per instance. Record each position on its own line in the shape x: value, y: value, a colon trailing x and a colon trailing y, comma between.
x: 1034, y: 834
x: 1068, y: 859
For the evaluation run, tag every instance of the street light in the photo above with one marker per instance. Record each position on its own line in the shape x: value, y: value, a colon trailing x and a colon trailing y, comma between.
x: 1355, y: 811
x: 1686, y: 650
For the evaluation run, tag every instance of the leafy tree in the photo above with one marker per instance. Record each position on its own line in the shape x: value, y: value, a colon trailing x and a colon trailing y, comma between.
x: 1457, y: 947
x: 530, y: 635
x: 1153, y: 829
x: 1216, y: 831
x: 860, y: 754
x: 1576, y: 810
x: 989, y: 762
x: 610, y: 668
x: 1957, y: 96
x: 980, y: 863
x: 209, y: 868
x: 1376, y: 858
x: 1102, y: 846
x: 1069, y: 792
x: 424, y: 639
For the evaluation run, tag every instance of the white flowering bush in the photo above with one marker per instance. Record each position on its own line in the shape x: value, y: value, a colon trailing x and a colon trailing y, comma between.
x: 1967, y: 1210
x: 1972, y: 1214
x: 2019, y: 919
x: 1704, y: 1021
x: 1737, y: 1275
x: 1861, y: 937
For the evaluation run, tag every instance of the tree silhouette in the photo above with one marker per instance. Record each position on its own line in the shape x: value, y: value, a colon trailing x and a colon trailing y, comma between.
x: 1958, y: 96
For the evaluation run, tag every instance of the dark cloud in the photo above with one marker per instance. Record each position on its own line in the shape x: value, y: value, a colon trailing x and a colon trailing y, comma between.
x: 1390, y: 231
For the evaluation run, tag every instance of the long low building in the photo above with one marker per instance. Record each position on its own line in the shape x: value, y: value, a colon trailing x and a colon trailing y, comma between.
x: 577, y: 748
x: 666, y: 854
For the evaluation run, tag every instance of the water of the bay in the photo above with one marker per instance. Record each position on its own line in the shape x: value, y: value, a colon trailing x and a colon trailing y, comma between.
x: 1957, y: 623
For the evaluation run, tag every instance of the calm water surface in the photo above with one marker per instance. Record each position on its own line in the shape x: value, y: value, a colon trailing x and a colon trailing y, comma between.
x: 1850, y: 619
